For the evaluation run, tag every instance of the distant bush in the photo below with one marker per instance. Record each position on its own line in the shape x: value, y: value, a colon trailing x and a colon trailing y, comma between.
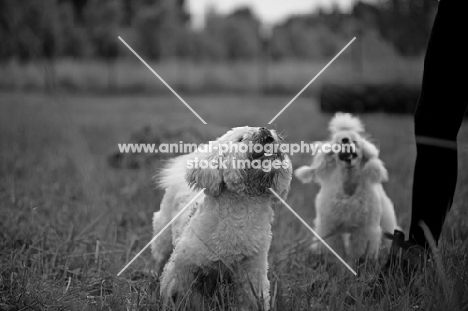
x: 359, y: 98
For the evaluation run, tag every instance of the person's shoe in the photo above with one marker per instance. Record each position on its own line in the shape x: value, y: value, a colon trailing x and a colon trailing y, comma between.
x: 406, y: 256
x: 401, y: 266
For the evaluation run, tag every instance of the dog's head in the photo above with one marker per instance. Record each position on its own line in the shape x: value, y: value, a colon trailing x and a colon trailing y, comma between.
x: 349, y: 149
x: 245, y: 161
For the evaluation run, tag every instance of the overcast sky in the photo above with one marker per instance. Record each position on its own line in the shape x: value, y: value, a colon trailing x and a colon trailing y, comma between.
x: 269, y: 11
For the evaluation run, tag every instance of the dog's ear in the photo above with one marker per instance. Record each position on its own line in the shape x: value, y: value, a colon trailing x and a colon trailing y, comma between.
x: 283, y: 178
x: 200, y: 175
x: 305, y: 174
x: 234, y: 177
x: 322, y: 161
x: 369, y: 150
x: 375, y: 171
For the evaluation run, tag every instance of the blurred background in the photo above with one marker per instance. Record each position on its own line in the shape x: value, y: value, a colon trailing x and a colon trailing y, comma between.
x: 74, y: 210
x: 211, y: 46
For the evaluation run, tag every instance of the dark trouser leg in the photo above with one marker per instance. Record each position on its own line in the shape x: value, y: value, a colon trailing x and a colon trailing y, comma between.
x: 438, y: 118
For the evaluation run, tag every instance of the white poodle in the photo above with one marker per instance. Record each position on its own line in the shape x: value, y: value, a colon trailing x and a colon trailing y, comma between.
x: 227, y: 231
x: 352, y: 208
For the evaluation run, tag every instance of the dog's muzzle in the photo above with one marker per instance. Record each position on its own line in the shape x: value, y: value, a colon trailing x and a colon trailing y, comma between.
x: 264, y: 137
x: 347, y: 156
x: 347, y: 153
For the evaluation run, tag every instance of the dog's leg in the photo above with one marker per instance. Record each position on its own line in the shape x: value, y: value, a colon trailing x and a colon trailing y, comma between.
x: 332, y: 237
x: 388, y: 221
x: 316, y: 244
x: 162, y: 247
x: 190, y: 257
x: 252, y: 276
x: 367, y: 239
x: 176, y: 279
x: 346, y: 243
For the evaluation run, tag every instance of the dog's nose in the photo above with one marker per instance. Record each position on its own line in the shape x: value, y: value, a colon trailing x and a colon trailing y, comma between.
x: 345, y: 140
x: 265, y: 132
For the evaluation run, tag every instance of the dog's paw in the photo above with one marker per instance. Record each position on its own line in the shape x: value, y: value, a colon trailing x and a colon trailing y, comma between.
x: 315, y: 247
x: 305, y: 174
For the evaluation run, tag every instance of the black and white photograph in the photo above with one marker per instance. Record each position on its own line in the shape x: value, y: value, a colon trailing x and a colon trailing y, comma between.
x: 232, y: 155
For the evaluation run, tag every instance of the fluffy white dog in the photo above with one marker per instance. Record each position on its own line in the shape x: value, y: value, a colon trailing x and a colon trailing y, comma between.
x: 227, y: 232
x: 352, y: 208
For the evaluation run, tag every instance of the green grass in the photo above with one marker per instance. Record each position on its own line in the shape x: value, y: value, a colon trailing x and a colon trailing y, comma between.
x: 69, y: 222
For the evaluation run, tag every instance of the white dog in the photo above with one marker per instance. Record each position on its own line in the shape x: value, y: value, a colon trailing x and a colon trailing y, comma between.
x: 352, y: 208
x: 228, y: 229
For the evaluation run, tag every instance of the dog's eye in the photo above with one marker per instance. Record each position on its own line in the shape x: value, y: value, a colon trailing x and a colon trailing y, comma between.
x: 240, y: 139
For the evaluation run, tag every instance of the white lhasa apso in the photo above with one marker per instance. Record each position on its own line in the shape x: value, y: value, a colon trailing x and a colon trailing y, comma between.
x: 227, y: 232
x: 352, y: 208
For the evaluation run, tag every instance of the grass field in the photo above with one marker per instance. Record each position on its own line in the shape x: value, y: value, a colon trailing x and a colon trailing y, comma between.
x: 129, y: 75
x: 69, y: 222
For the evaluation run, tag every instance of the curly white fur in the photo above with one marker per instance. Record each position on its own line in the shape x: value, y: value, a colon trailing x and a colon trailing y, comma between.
x: 344, y: 122
x: 228, y: 228
x: 351, y: 206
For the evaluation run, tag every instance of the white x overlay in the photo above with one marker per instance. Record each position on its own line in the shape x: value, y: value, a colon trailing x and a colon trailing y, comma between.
x: 162, y: 230
x: 162, y: 80
x: 203, y: 121
x: 313, y: 231
x: 313, y: 79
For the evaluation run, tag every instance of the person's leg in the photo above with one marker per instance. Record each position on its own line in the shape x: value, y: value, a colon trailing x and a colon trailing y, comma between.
x: 438, y: 117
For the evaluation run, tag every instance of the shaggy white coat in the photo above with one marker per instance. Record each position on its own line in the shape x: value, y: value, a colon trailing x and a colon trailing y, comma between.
x: 227, y: 229
x: 352, y: 208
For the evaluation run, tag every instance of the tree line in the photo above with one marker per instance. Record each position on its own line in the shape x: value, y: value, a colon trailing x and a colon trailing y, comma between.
x: 160, y: 29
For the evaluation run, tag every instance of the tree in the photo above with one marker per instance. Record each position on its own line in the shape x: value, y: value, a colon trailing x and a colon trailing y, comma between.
x: 29, y: 28
x: 406, y: 23
x: 237, y: 33
x: 159, y: 24
x: 307, y: 37
x: 103, y: 18
x: 73, y: 37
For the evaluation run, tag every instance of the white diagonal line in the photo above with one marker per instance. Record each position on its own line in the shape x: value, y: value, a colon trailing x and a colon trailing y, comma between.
x: 162, y: 80
x: 310, y: 82
x: 312, y: 230
x: 160, y: 232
